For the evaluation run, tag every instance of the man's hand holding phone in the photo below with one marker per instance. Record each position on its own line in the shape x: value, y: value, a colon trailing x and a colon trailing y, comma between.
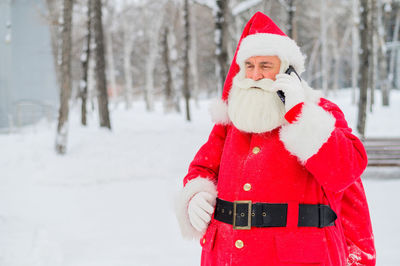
x: 291, y: 86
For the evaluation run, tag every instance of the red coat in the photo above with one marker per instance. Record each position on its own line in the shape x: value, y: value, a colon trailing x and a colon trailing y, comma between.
x: 295, y: 165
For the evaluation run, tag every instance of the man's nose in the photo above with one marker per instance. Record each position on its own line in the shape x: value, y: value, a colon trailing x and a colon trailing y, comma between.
x: 257, y: 75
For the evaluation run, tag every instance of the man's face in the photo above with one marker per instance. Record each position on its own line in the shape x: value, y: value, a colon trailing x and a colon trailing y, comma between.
x: 262, y: 67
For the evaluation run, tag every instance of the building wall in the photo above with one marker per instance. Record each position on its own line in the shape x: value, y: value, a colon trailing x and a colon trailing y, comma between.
x: 5, y: 62
x: 30, y: 81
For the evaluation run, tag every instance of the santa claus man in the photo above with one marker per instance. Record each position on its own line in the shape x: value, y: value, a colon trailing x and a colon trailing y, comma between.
x: 278, y: 181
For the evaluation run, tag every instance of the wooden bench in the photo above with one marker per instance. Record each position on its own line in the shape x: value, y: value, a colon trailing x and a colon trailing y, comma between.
x: 382, y: 151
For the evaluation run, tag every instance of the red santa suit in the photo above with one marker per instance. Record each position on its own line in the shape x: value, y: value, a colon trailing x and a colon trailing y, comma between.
x: 313, y: 158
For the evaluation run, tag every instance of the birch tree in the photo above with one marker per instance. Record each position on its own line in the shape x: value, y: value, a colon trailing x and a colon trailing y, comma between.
x: 154, y: 33
x: 365, y: 60
x: 83, y: 84
x: 193, y: 57
x: 55, y: 34
x: 168, y: 103
x: 355, y: 49
x: 102, y: 97
x: 186, y: 47
x: 324, y: 55
x: 65, y: 77
x: 394, y: 39
x: 382, y: 55
x: 291, y: 19
x: 127, y: 43
x: 221, y: 41
x: 373, y: 54
x: 109, y: 49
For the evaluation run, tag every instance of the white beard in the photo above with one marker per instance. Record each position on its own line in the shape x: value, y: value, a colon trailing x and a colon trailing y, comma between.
x: 255, y: 110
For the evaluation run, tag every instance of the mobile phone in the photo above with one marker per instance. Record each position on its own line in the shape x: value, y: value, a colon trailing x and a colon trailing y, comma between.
x: 288, y: 71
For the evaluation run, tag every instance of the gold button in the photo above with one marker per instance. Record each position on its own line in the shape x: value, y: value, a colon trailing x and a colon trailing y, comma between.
x: 247, y: 187
x: 239, y: 243
x: 204, y: 241
x: 256, y: 150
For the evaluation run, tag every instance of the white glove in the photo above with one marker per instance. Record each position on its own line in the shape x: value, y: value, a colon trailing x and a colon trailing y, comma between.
x: 200, y: 210
x: 291, y: 87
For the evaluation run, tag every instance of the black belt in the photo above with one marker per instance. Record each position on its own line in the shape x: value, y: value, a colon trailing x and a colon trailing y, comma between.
x: 245, y: 214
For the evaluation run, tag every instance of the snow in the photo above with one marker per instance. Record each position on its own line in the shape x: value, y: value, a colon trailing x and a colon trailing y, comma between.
x: 109, y: 199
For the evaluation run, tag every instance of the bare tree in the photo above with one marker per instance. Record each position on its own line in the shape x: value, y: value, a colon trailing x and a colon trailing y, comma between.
x: 109, y: 45
x: 221, y: 41
x: 395, y: 36
x: 373, y: 54
x: 128, y: 42
x: 54, y: 15
x: 102, y: 97
x: 83, y: 85
x: 355, y: 46
x: 153, y: 43
x: 193, y: 57
x: 382, y: 56
x: 365, y: 58
x: 186, y: 90
x: 324, y: 44
x: 168, y: 104
x: 65, y: 78
x: 292, y: 33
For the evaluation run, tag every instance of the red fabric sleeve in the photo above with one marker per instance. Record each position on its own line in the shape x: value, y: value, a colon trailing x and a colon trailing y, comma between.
x: 340, y: 160
x: 357, y: 228
x: 207, y: 160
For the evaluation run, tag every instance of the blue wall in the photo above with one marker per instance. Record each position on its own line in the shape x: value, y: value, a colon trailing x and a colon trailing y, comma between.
x: 27, y: 71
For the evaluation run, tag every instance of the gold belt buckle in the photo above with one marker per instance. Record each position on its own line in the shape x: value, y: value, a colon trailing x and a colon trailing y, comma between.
x: 248, y: 226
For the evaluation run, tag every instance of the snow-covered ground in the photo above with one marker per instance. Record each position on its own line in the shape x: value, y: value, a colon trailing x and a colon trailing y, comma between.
x: 109, y: 200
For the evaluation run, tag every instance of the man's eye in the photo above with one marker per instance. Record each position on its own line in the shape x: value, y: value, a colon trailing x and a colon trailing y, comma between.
x: 266, y: 67
x: 249, y: 67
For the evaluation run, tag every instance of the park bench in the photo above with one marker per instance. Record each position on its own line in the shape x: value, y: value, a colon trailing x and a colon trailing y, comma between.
x: 382, y: 151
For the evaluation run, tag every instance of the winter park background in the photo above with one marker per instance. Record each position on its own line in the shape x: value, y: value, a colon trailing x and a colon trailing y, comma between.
x: 88, y: 195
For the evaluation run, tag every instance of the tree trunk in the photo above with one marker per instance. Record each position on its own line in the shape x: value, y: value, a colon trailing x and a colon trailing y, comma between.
x: 355, y: 48
x: 83, y: 86
x: 385, y: 87
x: 324, y: 43
x: 110, y: 59
x: 365, y: 57
x: 381, y: 51
x: 169, y: 102
x: 151, y: 61
x: 193, y: 59
x: 373, y: 55
x: 102, y: 97
x: 393, y: 48
x: 221, y: 39
x: 186, y: 90
x: 338, y: 51
x: 65, y: 78
x: 127, y: 47
x: 291, y: 19
x: 54, y: 15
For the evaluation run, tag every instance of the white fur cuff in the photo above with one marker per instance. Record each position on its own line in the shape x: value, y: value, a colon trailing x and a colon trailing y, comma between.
x: 306, y: 136
x: 192, y: 187
x: 219, y: 112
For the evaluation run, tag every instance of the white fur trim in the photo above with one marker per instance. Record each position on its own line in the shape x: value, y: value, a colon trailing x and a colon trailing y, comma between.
x: 192, y: 187
x: 305, y: 137
x: 271, y: 44
x: 312, y: 96
x: 219, y: 112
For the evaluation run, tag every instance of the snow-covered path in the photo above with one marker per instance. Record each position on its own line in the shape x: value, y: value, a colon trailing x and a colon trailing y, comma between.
x: 109, y: 200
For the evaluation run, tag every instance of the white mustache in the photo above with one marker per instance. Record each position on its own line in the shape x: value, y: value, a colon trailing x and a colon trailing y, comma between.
x: 246, y: 83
